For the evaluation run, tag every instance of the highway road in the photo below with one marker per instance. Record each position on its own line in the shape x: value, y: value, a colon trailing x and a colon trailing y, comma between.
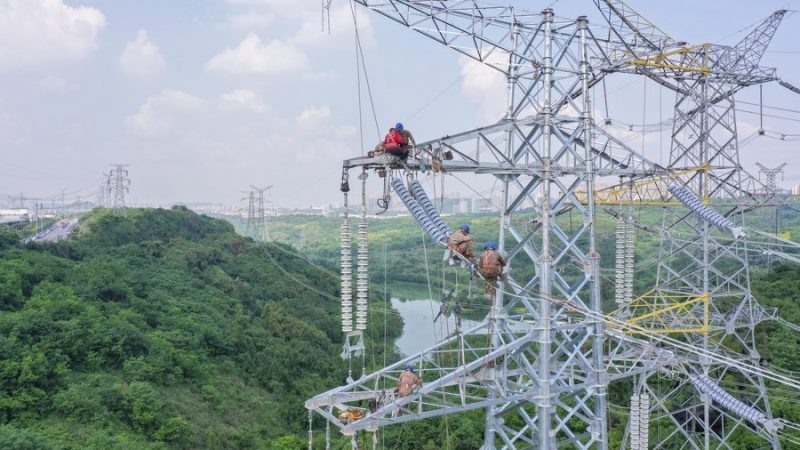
x: 57, y: 231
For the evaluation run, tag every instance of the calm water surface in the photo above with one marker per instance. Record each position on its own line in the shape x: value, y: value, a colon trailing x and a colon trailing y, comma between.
x: 419, y: 331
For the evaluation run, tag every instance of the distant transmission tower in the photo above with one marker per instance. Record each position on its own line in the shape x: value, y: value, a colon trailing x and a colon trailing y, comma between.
x: 256, y: 213
x: 121, y: 184
x: 771, y: 175
x: 262, y: 231
x: 103, y: 189
x: 251, y: 212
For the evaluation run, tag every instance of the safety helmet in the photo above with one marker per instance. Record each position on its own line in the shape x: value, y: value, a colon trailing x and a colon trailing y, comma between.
x: 399, y: 126
x: 491, y: 245
x: 465, y: 227
x: 409, y: 366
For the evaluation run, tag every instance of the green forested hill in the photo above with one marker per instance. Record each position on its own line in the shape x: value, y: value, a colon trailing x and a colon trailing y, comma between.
x: 164, y: 329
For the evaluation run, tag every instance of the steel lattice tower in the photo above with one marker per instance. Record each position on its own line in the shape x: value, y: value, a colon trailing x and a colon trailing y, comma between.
x: 256, y: 213
x: 696, y: 263
x: 103, y: 189
x: 541, y: 362
x: 251, y: 212
x: 121, y: 185
x: 771, y: 175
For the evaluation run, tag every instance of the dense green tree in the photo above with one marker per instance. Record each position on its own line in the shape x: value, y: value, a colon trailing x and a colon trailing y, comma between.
x: 163, y: 329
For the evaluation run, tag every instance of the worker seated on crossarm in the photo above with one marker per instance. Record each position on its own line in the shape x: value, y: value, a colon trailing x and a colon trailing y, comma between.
x: 491, y: 267
x: 408, y: 380
x: 460, y: 242
x: 392, y: 144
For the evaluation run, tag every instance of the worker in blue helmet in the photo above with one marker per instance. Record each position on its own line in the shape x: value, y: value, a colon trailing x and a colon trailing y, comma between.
x: 491, y: 267
x: 408, y: 139
x: 460, y: 243
x: 407, y: 382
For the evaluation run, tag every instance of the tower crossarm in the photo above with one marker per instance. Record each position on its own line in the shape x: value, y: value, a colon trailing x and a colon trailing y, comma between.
x: 474, y: 151
x: 741, y: 61
x: 647, y: 50
x: 638, y: 34
x: 459, y: 374
x: 498, y: 36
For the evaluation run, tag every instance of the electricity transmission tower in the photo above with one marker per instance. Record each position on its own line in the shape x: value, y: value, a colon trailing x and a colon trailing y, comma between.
x: 104, y: 190
x: 256, y: 225
x: 20, y: 199
x: 541, y: 362
x: 120, y: 184
x: 771, y: 176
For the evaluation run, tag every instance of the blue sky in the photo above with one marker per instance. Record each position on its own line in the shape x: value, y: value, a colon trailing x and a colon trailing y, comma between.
x: 205, y: 97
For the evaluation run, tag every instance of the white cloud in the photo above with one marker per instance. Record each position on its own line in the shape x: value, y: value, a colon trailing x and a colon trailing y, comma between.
x: 35, y: 33
x: 313, y: 117
x: 251, y: 20
x: 484, y: 86
x: 157, y: 113
x: 141, y: 58
x: 242, y: 99
x: 55, y: 84
x: 286, y: 8
x: 252, y: 56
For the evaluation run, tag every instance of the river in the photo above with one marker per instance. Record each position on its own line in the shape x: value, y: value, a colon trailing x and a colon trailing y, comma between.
x: 419, y: 331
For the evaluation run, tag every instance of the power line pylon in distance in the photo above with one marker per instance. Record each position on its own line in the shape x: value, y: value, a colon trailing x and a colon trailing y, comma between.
x: 249, y: 216
x: 121, y: 185
x: 103, y: 189
x: 261, y: 230
x: 771, y: 175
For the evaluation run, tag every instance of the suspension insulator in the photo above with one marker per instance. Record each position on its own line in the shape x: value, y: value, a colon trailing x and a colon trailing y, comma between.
x: 630, y: 253
x: 640, y: 421
x: 691, y: 201
x: 419, y: 214
x: 422, y: 198
x: 362, y: 277
x: 644, y: 421
x: 619, y: 273
x: 347, y: 278
x: 706, y: 386
x: 635, y: 415
x: 623, y: 275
